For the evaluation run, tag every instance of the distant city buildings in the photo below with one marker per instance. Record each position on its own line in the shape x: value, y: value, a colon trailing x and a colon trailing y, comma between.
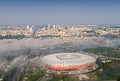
x: 61, y: 31
x: 14, y: 31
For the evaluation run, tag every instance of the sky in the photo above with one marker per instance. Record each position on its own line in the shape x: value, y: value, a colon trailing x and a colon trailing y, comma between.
x: 59, y: 12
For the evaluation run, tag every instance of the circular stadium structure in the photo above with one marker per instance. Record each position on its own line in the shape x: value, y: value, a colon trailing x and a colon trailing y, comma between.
x: 68, y: 61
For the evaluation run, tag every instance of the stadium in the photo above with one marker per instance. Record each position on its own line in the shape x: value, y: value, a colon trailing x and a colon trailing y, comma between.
x: 68, y: 61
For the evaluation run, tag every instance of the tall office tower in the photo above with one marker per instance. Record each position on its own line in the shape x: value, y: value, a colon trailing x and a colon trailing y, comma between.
x: 48, y: 26
x: 28, y: 27
x: 31, y: 29
x: 54, y: 26
x: 119, y: 32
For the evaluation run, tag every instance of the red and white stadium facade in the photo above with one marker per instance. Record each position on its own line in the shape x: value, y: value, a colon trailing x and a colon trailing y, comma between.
x: 68, y: 61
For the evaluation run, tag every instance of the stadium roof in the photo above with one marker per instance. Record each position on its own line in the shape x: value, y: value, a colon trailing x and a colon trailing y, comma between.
x: 67, y: 57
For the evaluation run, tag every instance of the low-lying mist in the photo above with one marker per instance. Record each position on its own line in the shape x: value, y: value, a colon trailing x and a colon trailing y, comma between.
x: 17, y: 47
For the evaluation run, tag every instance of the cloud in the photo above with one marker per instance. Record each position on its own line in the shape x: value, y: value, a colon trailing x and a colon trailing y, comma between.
x: 17, y: 47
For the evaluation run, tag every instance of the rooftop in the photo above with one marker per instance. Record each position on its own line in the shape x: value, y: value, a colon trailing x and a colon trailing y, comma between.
x: 68, y: 56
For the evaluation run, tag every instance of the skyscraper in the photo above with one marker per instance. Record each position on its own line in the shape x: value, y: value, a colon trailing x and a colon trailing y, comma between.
x: 48, y: 26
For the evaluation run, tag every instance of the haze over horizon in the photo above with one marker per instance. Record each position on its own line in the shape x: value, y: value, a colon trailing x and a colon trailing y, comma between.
x: 59, y: 11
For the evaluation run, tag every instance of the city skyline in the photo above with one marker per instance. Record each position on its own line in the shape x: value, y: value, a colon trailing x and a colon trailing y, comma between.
x: 59, y: 11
